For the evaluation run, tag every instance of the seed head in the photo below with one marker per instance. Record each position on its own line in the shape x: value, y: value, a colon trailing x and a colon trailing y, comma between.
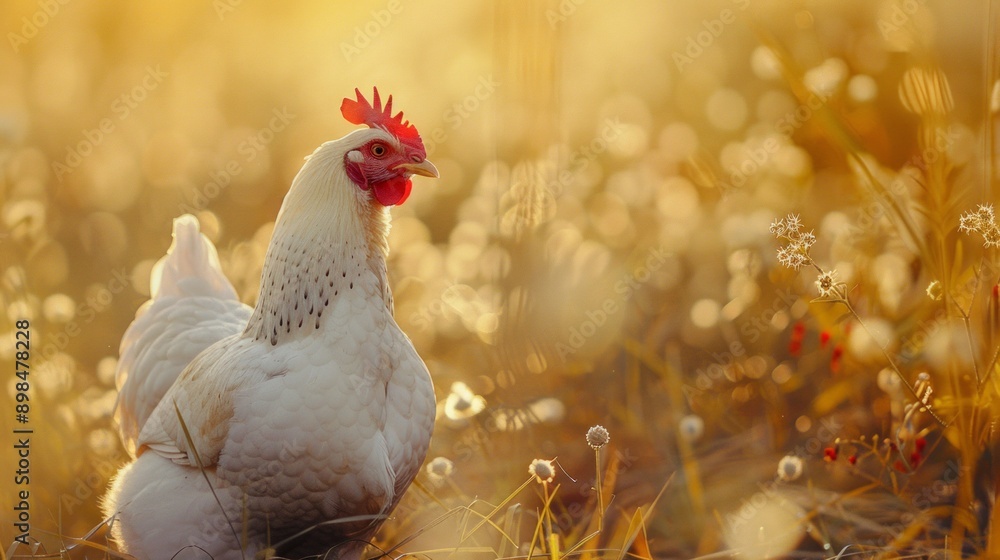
x: 598, y: 437
x: 789, y: 468
x: 791, y: 256
x: 440, y: 468
x: 542, y: 470
x: 778, y: 227
x: 793, y: 223
x: 691, y: 427
x: 983, y: 221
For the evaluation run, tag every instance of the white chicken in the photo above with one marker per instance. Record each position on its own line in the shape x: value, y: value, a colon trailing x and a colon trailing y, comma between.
x: 297, y: 425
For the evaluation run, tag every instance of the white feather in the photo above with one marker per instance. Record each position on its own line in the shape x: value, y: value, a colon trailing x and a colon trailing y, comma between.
x: 193, y: 306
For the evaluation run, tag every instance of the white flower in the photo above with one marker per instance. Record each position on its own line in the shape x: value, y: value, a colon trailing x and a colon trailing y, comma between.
x: 791, y: 256
x: 598, y: 437
x: 983, y: 221
x: 440, y: 468
x: 691, y: 427
x: 778, y: 227
x: 789, y: 468
x: 826, y: 283
x: 542, y: 470
x: 806, y: 240
x: 991, y: 236
x: 985, y: 213
x: 968, y: 223
x: 462, y: 403
x: 793, y: 223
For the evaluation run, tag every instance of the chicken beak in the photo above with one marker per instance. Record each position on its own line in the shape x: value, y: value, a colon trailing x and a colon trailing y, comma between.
x: 425, y: 168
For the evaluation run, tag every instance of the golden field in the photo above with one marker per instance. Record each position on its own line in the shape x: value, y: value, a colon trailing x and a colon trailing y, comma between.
x: 752, y: 239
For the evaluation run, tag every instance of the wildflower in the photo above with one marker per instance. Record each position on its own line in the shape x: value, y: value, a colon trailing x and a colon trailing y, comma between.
x: 991, y: 237
x: 691, y: 427
x: 853, y: 459
x: 778, y: 227
x: 826, y: 283
x: 806, y: 240
x: 796, y: 253
x: 789, y: 468
x: 792, y: 256
x: 985, y: 214
x: 598, y: 437
x: 968, y: 223
x: 462, y: 402
x: 983, y: 221
x: 792, y: 223
x: 440, y: 468
x: 542, y: 470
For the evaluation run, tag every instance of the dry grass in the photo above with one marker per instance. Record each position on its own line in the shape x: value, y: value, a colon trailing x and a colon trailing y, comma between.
x: 596, y: 252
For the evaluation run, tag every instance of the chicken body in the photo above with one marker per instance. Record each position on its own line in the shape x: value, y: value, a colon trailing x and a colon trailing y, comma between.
x: 299, y: 427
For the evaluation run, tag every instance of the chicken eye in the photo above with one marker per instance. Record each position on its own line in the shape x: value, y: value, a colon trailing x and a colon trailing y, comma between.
x: 378, y: 150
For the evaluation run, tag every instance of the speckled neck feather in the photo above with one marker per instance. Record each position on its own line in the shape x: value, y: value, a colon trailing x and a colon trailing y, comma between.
x: 329, y: 241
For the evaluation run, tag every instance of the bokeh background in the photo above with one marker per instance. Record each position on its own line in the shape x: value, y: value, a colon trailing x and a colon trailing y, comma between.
x: 596, y: 250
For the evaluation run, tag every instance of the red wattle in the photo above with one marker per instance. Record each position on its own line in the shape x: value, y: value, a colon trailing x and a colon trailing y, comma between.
x: 393, y: 191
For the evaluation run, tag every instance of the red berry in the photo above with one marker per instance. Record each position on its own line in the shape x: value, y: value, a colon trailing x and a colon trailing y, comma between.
x: 824, y: 339
x: 838, y: 352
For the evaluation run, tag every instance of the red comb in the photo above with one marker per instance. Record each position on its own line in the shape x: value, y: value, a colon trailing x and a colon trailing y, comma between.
x: 361, y: 112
